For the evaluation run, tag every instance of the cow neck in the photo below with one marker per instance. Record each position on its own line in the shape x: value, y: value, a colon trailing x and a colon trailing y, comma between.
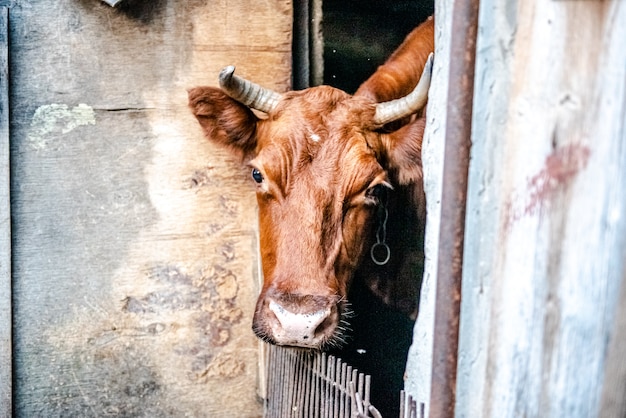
x: 397, y: 283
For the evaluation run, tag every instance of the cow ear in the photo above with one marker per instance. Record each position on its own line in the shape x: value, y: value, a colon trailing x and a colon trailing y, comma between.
x: 403, y: 151
x: 224, y: 120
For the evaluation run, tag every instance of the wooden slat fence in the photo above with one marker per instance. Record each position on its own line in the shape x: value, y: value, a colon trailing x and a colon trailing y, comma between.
x: 307, y: 384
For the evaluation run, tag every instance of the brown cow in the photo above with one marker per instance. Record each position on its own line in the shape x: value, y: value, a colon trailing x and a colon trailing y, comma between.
x: 340, y: 197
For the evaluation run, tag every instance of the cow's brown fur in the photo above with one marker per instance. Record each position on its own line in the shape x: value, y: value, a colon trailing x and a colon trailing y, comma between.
x: 325, y: 169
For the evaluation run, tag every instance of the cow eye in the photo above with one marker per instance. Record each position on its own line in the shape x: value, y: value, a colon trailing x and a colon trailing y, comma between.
x: 377, y: 193
x: 257, y: 176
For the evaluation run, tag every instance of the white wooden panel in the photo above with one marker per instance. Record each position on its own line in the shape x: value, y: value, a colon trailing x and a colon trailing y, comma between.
x: 5, y: 224
x: 546, y: 225
x: 614, y: 389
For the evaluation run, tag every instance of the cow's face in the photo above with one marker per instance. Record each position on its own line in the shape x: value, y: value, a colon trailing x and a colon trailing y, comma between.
x: 318, y: 185
x: 321, y: 170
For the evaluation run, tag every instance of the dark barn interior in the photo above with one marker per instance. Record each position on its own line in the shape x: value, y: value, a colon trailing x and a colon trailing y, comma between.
x: 358, y: 37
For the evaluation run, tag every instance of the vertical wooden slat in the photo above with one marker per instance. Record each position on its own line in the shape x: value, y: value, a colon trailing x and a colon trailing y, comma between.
x: 272, y: 381
x: 317, y: 387
x: 5, y: 224
x: 308, y: 386
x: 305, y: 372
x: 355, y: 384
x: 304, y: 384
x: 613, y: 401
x: 454, y: 192
x: 283, y: 377
x: 302, y: 376
x: 366, y: 396
x: 284, y: 382
x: 349, y: 380
x: 420, y: 358
x: 336, y: 383
x: 343, y: 385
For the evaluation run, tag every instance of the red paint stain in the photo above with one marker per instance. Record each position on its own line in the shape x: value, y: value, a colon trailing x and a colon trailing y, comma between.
x: 559, y: 170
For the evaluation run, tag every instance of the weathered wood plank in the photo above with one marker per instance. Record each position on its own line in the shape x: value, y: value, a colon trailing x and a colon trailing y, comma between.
x: 5, y: 225
x: 546, y: 231
x: 419, y: 362
x: 135, y: 239
x: 614, y: 388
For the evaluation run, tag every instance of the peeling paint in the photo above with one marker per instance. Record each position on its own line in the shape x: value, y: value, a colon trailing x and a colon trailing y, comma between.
x: 54, y: 119
x: 558, y: 171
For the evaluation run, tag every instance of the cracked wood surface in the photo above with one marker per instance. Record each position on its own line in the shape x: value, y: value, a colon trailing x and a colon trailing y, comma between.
x: 545, y: 233
x: 134, y: 241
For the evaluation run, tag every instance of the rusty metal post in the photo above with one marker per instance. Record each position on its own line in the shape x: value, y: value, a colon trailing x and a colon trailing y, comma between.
x: 454, y: 193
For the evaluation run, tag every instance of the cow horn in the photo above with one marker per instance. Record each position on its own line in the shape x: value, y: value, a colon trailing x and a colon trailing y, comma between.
x: 397, y: 109
x: 247, y: 92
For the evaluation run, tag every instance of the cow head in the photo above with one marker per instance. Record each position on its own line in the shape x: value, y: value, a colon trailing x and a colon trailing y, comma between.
x: 321, y: 166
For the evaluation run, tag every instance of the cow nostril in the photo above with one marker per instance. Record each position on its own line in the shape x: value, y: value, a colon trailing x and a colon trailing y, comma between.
x: 296, y: 328
x: 324, y: 325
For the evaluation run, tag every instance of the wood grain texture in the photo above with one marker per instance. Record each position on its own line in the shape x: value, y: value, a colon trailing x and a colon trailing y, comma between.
x: 613, y: 404
x: 5, y: 225
x: 546, y: 231
x: 134, y: 244
x: 420, y: 358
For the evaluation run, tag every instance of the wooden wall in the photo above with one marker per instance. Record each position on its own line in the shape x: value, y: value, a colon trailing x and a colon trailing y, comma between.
x: 5, y: 223
x: 545, y: 245
x: 134, y: 240
x: 419, y: 361
x: 542, y: 321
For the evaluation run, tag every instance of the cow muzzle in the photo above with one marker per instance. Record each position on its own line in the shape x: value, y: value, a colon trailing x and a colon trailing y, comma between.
x: 299, y: 321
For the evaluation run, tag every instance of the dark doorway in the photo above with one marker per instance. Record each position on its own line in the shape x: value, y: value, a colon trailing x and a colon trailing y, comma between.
x: 358, y: 36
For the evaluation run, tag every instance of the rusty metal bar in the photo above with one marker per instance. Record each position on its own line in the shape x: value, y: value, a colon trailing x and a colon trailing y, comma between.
x: 454, y: 194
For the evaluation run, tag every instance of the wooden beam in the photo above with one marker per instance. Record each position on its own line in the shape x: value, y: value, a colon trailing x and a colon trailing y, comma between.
x: 454, y: 193
x: 5, y: 224
x: 420, y: 359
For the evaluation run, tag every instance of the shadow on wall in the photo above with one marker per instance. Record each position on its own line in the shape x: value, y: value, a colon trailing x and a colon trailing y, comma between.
x: 359, y: 35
